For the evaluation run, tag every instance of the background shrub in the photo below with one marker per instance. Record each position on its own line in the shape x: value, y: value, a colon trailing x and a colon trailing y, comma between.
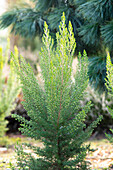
x: 9, y: 87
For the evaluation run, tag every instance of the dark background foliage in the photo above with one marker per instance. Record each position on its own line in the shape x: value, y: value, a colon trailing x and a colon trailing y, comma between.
x: 92, y: 22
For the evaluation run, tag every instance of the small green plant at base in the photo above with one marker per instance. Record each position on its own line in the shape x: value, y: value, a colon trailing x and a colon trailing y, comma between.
x: 9, y: 88
x: 54, y: 110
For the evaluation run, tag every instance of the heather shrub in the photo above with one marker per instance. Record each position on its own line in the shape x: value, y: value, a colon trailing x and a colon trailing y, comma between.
x: 109, y: 85
x: 9, y: 87
x: 54, y: 109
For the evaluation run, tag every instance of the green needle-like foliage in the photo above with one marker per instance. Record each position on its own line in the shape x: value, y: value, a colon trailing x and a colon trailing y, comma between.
x: 99, y: 16
x: 9, y: 88
x: 92, y: 22
x: 28, y: 20
x: 97, y: 31
x: 97, y: 72
x: 56, y: 117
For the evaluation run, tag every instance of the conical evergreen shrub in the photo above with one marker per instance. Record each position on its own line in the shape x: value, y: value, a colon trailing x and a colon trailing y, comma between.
x: 56, y: 117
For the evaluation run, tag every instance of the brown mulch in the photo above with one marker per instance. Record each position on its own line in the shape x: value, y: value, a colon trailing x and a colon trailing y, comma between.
x: 102, y: 157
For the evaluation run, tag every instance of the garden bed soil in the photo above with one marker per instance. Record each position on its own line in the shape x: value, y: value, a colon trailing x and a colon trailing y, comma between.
x: 101, y: 158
